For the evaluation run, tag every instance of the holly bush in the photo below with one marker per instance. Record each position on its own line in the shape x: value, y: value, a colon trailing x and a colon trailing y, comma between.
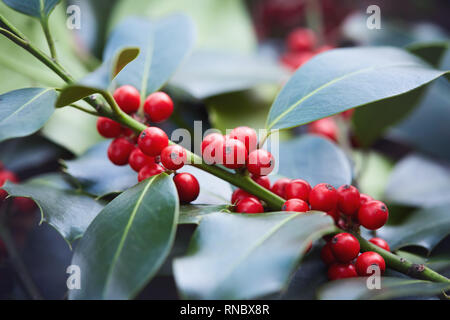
x: 374, y: 117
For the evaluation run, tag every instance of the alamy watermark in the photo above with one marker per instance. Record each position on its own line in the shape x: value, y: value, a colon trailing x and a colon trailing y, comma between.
x: 374, y: 20
x: 74, y: 17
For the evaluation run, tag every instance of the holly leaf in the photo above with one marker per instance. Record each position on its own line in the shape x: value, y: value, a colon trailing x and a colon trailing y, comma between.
x: 193, y: 214
x: 128, y: 242
x: 35, y: 8
x: 260, y: 255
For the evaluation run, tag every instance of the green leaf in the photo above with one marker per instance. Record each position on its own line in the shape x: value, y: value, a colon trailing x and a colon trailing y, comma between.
x: 419, y: 181
x: 25, y: 111
x: 424, y: 228
x: 391, y: 288
x: 239, y: 256
x: 75, y: 92
x: 123, y: 57
x: 343, y: 79
x: 64, y: 208
x: 193, y: 214
x: 430, y: 52
x: 128, y: 242
x: 36, y: 8
x: 313, y: 159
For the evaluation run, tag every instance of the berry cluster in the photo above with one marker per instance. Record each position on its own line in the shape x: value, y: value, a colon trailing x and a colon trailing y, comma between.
x: 149, y: 153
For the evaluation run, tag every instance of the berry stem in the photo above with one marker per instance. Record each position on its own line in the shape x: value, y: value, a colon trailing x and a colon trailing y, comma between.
x: 48, y: 36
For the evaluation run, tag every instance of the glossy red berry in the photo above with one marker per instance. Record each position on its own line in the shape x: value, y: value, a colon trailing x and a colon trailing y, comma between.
x: 345, y: 247
x: 108, y: 128
x: 279, y: 187
x: 173, y: 157
x: 295, y: 205
x: 158, y: 106
x: 152, y: 141
x: 323, y: 197
x: 138, y: 160
x: 363, y: 198
x: 348, y: 199
x: 260, y: 162
x: 233, y: 154
x: 240, y: 194
x: 373, y: 214
x: 301, y: 39
x: 298, y: 189
x: 327, y: 255
x: 119, y: 151
x: 249, y: 205
x: 341, y: 270
x: 247, y: 136
x: 187, y: 186
x: 381, y: 243
x: 263, y: 181
x: 210, y: 144
x: 128, y: 98
x: 149, y: 170
x: 367, y: 259
x: 325, y: 127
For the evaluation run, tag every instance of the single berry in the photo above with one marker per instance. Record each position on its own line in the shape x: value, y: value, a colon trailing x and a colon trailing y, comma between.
x: 327, y: 255
x: 138, y: 160
x: 245, y: 135
x: 173, y: 157
x: 341, y: 271
x: 128, y: 98
x: 345, y: 247
x: 367, y: 259
x: 187, y: 186
x: 295, y: 205
x: 323, y: 197
x: 381, y: 243
x: 240, y: 194
x: 23, y: 204
x: 209, y: 146
x: 152, y: 141
x: 260, y: 162
x: 279, y: 187
x: 301, y: 39
x: 298, y: 189
x: 149, y: 170
x: 249, y: 205
x: 263, y: 181
x: 373, y: 214
x: 325, y: 127
x: 348, y: 199
x: 233, y: 153
x: 119, y: 151
x: 158, y: 106
x: 108, y: 128
x: 363, y: 198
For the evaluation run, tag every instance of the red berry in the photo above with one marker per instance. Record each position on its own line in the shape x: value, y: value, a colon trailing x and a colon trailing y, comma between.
x: 138, y: 160
x: 323, y: 197
x: 294, y: 60
x: 173, y: 157
x: 327, y: 255
x: 249, y: 205
x: 23, y: 204
x: 158, y: 106
x: 240, y: 194
x: 233, y: 153
x: 279, y: 187
x: 341, y: 271
x: 247, y: 136
x: 345, y: 247
x: 363, y: 198
x: 367, y: 259
x: 6, y: 176
x: 149, y: 170
x: 326, y: 128
x: 298, y: 189
x: 348, y: 199
x: 187, y: 186
x: 373, y: 214
x: 334, y: 213
x: 381, y: 243
x: 152, y: 141
x: 263, y: 181
x: 295, y: 205
x: 301, y: 39
x: 108, y: 128
x: 209, y: 146
x: 260, y: 162
x: 119, y: 151
x: 128, y: 98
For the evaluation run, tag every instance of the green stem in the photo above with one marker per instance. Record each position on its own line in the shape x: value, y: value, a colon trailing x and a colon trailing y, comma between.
x: 50, y: 41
